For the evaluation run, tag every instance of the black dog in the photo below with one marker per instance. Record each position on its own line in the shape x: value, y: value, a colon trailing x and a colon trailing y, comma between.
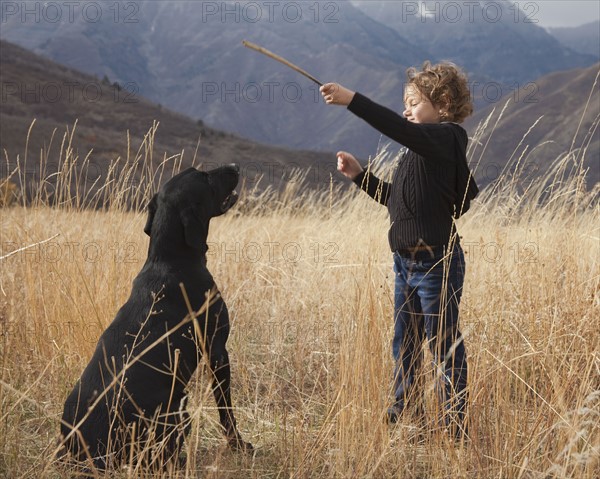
x: 131, y: 396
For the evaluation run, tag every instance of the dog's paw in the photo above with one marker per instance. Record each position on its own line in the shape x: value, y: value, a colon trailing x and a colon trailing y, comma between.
x: 236, y: 443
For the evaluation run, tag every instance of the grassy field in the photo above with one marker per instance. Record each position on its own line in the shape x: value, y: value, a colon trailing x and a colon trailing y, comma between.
x: 308, y: 281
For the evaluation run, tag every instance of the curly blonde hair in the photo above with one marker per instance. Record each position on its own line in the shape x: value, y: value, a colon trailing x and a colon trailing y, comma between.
x: 446, y: 86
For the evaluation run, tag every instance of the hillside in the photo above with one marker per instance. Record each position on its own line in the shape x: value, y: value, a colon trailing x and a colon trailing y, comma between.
x: 57, y: 97
x: 494, y: 41
x: 188, y: 57
x: 560, y: 100
x: 584, y: 38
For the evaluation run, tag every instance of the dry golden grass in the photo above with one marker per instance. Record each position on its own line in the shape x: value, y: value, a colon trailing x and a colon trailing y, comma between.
x: 308, y: 282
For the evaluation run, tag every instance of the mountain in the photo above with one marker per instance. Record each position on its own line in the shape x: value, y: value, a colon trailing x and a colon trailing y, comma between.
x: 583, y: 39
x: 509, y: 59
x: 568, y: 104
x: 188, y: 56
x: 109, y: 116
x: 493, y: 41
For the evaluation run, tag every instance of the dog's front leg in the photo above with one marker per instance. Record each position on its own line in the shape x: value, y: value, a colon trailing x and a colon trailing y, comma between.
x: 219, y: 363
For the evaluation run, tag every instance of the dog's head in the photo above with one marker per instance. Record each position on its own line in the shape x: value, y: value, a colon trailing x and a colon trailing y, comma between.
x: 191, y: 199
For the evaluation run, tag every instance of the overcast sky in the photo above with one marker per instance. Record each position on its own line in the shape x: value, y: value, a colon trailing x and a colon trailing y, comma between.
x: 561, y: 13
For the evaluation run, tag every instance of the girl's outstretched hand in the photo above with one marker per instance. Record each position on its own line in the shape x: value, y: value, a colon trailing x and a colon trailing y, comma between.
x: 347, y: 165
x: 336, y: 94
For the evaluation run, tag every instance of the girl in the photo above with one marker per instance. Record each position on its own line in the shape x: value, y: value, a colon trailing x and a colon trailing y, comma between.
x: 431, y: 187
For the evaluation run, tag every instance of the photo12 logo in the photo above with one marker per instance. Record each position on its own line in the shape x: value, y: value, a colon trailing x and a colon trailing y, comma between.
x: 254, y: 92
x: 53, y: 252
x: 69, y: 12
x: 469, y: 11
x: 274, y: 252
x: 492, y: 92
x: 492, y: 252
x: 270, y: 12
x: 68, y: 92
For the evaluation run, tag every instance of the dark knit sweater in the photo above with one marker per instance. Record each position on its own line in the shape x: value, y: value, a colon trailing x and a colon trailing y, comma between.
x: 428, y: 187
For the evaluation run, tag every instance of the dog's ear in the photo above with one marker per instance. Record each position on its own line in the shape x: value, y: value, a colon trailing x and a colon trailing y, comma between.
x: 151, y: 213
x: 194, y: 229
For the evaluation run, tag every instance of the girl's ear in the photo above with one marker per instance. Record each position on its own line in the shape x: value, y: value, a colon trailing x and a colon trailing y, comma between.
x: 443, y: 107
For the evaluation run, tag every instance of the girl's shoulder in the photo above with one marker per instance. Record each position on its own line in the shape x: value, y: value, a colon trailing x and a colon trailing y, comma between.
x: 453, y: 124
x: 457, y: 128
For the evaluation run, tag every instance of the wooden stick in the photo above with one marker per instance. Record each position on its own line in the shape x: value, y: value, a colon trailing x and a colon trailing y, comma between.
x: 264, y: 51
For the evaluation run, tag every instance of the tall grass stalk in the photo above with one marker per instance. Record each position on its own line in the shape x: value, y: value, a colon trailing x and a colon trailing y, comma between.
x: 307, y: 277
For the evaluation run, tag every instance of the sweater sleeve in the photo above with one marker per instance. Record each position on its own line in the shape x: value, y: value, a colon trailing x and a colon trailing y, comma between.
x: 377, y: 189
x: 432, y: 141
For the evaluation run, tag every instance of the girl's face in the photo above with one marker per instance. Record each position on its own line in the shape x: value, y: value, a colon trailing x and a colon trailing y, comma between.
x: 417, y: 108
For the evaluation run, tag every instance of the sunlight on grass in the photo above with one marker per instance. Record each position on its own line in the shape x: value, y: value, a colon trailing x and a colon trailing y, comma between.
x: 308, y: 279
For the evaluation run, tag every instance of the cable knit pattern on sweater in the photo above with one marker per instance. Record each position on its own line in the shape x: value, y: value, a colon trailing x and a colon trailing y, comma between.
x: 423, y: 195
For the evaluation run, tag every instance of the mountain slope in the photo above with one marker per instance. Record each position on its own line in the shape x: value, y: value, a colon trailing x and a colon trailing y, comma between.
x: 29, y: 85
x: 568, y: 120
x: 583, y: 39
x: 188, y: 56
x: 37, y: 88
x: 493, y: 40
x: 183, y: 56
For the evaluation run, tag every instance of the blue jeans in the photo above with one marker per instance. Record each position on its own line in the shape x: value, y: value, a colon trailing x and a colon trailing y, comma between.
x: 427, y: 295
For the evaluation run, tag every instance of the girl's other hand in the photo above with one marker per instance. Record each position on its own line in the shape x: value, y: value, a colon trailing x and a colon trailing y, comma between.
x: 336, y: 94
x: 347, y: 165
